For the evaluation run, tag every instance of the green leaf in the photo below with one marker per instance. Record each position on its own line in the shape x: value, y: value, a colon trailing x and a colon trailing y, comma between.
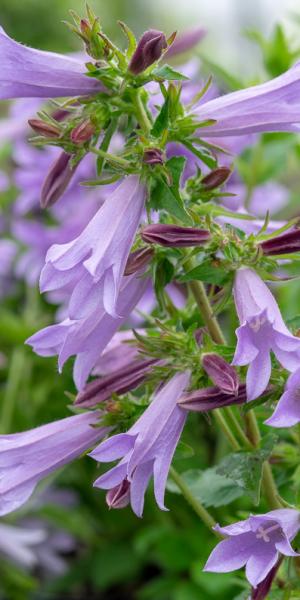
x: 167, y: 197
x: 204, y: 154
x: 162, y: 120
x: 209, y: 487
x: 245, y: 468
x: 167, y: 73
x: 207, y: 273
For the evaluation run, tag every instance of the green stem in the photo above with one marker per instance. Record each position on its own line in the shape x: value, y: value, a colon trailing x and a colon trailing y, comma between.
x: 206, y: 310
x: 226, y: 430
x: 253, y: 432
x: 194, y: 503
x: 239, y: 432
x: 118, y: 160
x: 13, y: 385
x: 141, y: 113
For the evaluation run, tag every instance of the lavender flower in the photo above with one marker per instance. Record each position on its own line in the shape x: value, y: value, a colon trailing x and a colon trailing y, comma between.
x: 28, y: 457
x: 257, y: 543
x: 88, y: 335
x: 147, y: 448
x: 262, y: 329
x: 287, y: 411
x: 270, y: 106
x: 99, y: 254
x: 26, y: 72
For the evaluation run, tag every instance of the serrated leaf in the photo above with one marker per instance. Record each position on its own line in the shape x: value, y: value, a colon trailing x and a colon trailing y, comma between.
x: 166, y: 197
x: 209, y: 487
x: 162, y: 120
x: 206, y: 272
x: 167, y: 73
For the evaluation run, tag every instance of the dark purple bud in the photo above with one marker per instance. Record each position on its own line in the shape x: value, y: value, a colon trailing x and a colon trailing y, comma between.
x: 174, y: 235
x: 198, y: 335
x: 209, y: 398
x: 216, y: 178
x: 223, y: 375
x: 153, y: 156
x: 45, y: 129
x: 137, y: 260
x: 57, y: 180
x: 262, y: 590
x: 118, y: 382
x: 83, y: 132
x: 119, y: 496
x: 148, y: 51
x: 185, y: 41
x: 283, y: 244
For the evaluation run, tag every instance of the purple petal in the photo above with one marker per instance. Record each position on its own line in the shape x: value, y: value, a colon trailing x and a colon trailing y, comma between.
x: 230, y: 555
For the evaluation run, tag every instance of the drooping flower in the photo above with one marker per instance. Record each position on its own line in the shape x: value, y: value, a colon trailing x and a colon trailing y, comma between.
x: 270, y: 106
x: 287, y: 411
x: 146, y: 449
x: 261, y: 330
x: 88, y: 335
x: 30, y: 73
x: 257, y: 543
x: 100, y: 252
x: 28, y: 457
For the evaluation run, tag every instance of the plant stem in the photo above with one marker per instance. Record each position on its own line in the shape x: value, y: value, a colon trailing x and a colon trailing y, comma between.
x: 141, y: 113
x: 239, y: 432
x: 13, y: 384
x: 226, y: 430
x: 253, y: 432
x: 211, y: 322
x: 118, y: 160
x: 204, y: 515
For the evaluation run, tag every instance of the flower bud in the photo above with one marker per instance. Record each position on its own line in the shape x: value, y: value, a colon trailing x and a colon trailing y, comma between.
x: 283, y: 244
x: 82, y: 132
x: 148, y: 51
x: 118, y: 382
x: 57, y: 180
x: 174, y: 235
x: 215, y: 178
x: 137, y: 260
x: 153, y: 156
x: 198, y: 335
x: 45, y: 129
x: 223, y: 375
x: 119, y: 496
x: 210, y: 398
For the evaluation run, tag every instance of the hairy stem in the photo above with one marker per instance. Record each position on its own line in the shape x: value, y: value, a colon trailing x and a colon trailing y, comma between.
x: 226, y: 429
x: 206, y: 310
x: 204, y: 515
x: 141, y: 113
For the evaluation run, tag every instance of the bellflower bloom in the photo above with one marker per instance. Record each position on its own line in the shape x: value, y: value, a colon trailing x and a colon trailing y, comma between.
x: 261, y: 330
x: 146, y: 449
x: 28, y: 457
x: 270, y: 106
x: 19, y: 543
x: 100, y: 252
x: 30, y: 73
x: 256, y: 542
x: 287, y: 411
x: 87, y: 336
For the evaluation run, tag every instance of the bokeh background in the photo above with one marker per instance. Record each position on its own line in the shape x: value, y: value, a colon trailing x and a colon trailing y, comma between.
x: 113, y: 555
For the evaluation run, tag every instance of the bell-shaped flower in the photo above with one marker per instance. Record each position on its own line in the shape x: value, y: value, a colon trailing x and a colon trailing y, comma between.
x: 88, y: 335
x: 30, y: 73
x: 28, y: 457
x: 146, y: 449
x: 287, y: 411
x: 261, y: 330
x: 100, y: 252
x: 19, y: 543
x: 270, y: 106
x: 256, y: 542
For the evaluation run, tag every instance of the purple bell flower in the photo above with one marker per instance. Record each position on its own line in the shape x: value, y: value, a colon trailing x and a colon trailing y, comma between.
x: 261, y: 330
x: 287, y: 411
x: 146, y: 449
x: 257, y: 543
x: 30, y: 73
x: 28, y: 457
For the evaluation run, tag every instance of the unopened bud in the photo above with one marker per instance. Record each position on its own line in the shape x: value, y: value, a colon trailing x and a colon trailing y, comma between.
x: 85, y: 29
x: 137, y: 260
x: 119, y: 496
x: 57, y: 180
x: 82, y: 132
x: 174, y: 235
x: 222, y: 374
x: 283, y: 244
x: 148, y: 51
x: 216, y: 178
x: 117, y: 382
x: 43, y: 128
x: 153, y: 156
x: 210, y: 398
